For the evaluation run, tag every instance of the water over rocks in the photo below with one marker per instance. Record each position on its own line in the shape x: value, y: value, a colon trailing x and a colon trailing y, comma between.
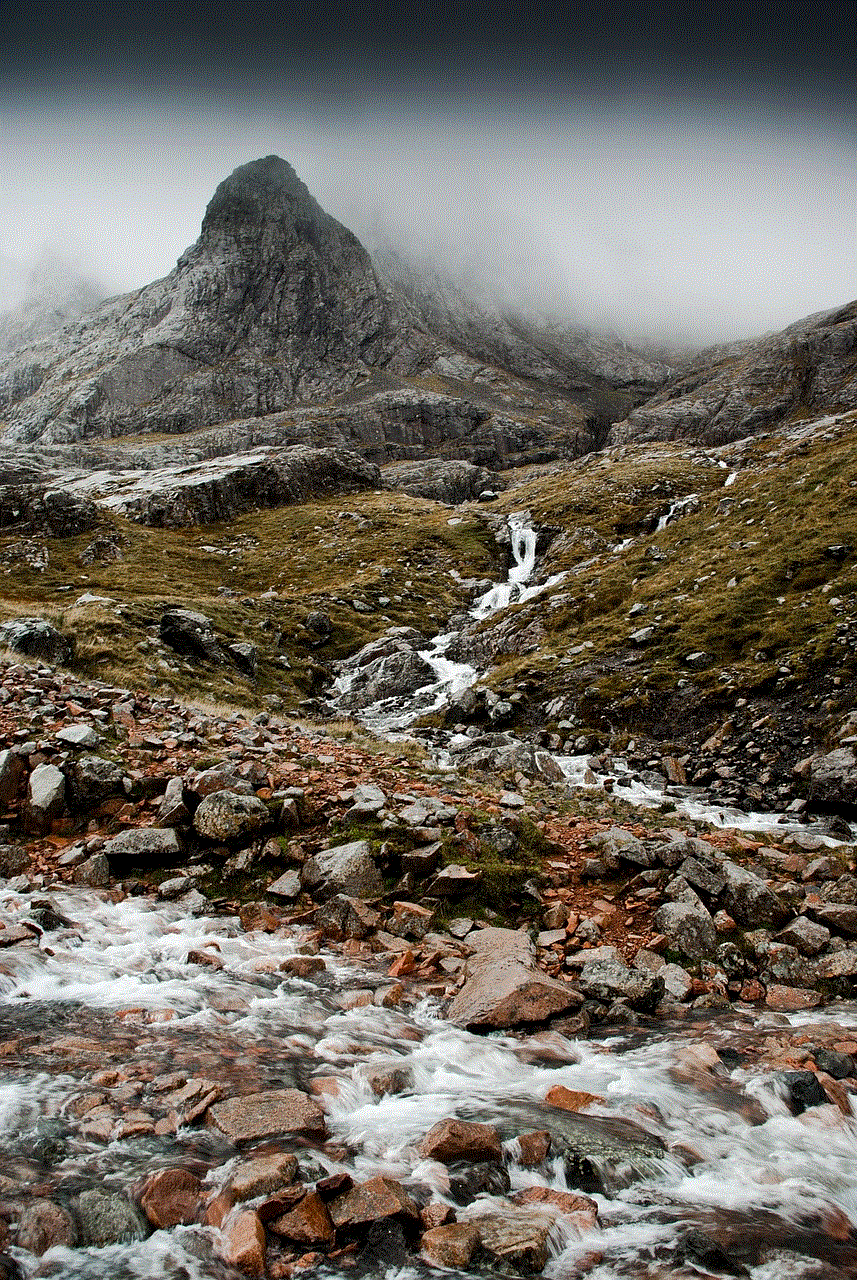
x: 282, y: 1049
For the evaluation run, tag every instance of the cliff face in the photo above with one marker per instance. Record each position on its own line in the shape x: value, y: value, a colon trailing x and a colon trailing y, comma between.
x: 276, y: 303
x: 808, y: 370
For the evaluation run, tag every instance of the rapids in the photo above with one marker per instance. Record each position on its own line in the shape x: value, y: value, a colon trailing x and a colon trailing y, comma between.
x: 695, y: 1138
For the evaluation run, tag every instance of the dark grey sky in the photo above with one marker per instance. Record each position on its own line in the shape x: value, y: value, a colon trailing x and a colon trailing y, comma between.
x: 685, y: 171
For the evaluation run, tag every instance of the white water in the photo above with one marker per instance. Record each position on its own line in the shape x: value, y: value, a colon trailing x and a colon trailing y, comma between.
x: 391, y: 715
x: 732, y: 1148
x: 581, y: 774
x: 677, y: 508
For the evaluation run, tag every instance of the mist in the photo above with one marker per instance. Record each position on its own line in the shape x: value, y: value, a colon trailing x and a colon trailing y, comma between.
x: 665, y: 199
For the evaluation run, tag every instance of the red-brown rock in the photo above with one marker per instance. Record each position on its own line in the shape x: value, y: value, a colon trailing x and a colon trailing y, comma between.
x: 582, y: 1210
x: 266, y: 1115
x: 244, y: 1243
x: 308, y: 1223
x: 451, y: 1245
x: 370, y: 1201
x: 170, y: 1197
x: 451, y: 1140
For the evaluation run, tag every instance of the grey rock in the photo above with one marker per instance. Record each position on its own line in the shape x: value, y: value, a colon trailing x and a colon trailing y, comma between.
x: 453, y: 881
x: 190, y: 634
x: 442, y: 479
x: 45, y: 795
x: 749, y: 900
x: 79, y: 735
x: 709, y: 879
x: 346, y: 917
x: 620, y: 844
x: 108, y: 1219
x: 11, y: 776
x: 93, y: 871
x: 606, y: 979
x: 752, y: 386
x: 688, y: 929
x: 347, y: 868
x: 228, y: 815
x: 806, y: 935
x: 37, y: 638
x: 91, y: 780
x: 13, y: 860
x: 173, y: 811
x: 146, y: 845
x: 287, y: 886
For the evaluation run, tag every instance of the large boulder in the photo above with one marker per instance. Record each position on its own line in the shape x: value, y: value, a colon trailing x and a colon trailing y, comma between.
x: 503, y: 986
x: 191, y: 634
x: 257, y: 1116
x: 37, y: 638
x: 688, y: 928
x: 45, y: 796
x: 226, y: 815
x: 92, y: 780
x: 346, y: 868
x: 749, y: 900
x: 832, y: 778
x: 146, y: 845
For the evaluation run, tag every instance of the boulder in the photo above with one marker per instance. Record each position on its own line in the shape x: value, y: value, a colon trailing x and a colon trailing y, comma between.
x: 256, y: 1116
x: 346, y: 917
x: 11, y: 776
x: 263, y: 1176
x: 503, y: 986
x: 287, y: 886
x: 832, y: 778
x: 308, y: 1223
x: 108, y: 1219
x: 43, y: 1224
x: 607, y: 979
x: 345, y: 869
x: 450, y: 1245
x: 173, y: 810
x: 451, y: 1140
x: 146, y: 845
x: 190, y: 634
x: 688, y: 928
x: 243, y: 1245
x: 749, y: 900
x: 37, y: 638
x: 229, y: 815
x: 371, y: 1201
x: 45, y: 796
x: 171, y: 1196
x: 514, y: 1237
x: 92, y: 780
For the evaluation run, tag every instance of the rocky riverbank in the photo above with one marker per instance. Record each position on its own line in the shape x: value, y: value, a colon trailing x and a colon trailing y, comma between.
x: 176, y: 873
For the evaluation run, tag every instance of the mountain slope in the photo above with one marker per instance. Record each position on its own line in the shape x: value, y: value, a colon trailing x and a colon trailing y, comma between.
x: 806, y: 370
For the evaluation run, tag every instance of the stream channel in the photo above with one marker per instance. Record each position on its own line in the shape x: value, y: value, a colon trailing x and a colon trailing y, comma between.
x: 696, y: 1163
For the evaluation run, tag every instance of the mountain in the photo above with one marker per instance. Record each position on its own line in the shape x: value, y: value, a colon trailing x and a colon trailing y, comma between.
x: 278, y: 307
x: 808, y: 370
x: 55, y: 294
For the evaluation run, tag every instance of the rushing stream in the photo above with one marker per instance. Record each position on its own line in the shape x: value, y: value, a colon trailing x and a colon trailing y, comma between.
x: 712, y: 1150
x: 124, y: 1019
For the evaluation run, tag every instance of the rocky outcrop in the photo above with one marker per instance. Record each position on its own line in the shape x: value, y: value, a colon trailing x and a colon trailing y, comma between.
x: 808, y: 370
x: 444, y: 481
x: 205, y: 492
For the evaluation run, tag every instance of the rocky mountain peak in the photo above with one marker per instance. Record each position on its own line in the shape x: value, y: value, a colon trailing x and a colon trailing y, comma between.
x: 265, y: 199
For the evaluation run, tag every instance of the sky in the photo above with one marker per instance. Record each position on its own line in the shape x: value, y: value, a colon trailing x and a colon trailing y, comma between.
x: 683, y: 174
